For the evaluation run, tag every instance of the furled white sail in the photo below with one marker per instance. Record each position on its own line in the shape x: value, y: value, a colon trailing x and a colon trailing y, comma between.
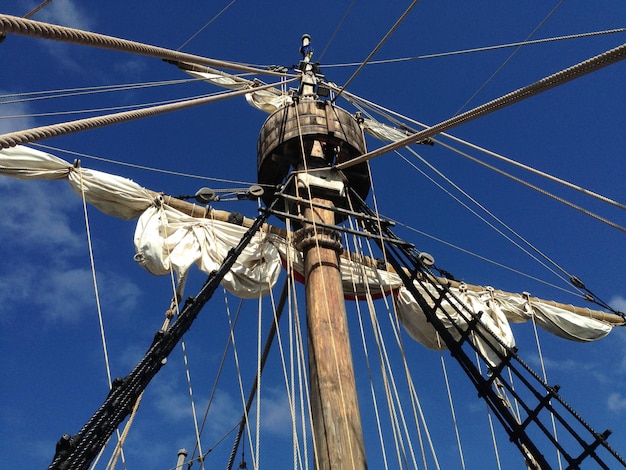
x: 456, y: 316
x: 113, y: 195
x: 166, y: 238
x: 498, y: 309
x: 268, y: 100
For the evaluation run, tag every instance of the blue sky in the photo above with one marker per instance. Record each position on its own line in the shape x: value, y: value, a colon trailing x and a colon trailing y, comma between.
x: 53, y: 367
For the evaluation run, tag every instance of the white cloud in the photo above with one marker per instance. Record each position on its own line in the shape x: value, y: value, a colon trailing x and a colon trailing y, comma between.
x: 619, y: 303
x: 564, y: 365
x: 8, y: 109
x: 40, y: 249
x: 65, y: 13
x: 37, y: 211
x: 275, y: 411
x: 617, y: 402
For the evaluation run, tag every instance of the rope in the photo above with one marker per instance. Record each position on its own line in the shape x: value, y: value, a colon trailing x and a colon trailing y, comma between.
x: 71, y: 92
x: 97, y: 298
x: 118, y: 451
x: 15, y: 25
x: 294, y: 347
x: 381, y: 110
x: 490, y: 214
x: 476, y: 255
x: 414, y: 396
x: 387, y: 371
x: 378, y: 46
x: 539, y: 190
x: 508, y: 59
x: 258, y: 380
x: 144, y: 167
x: 489, y: 417
x: 193, y: 403
x: 108, y: 108
x: 236, y: 358
x: 206, y: 25
x: 545, y: 379
x: 55, y: 130
x: 456, y: 427
x: 365, y: 351
x: 537, y: 172
x: 554, y: 80
x: 482, y: 49
x: 37, y: 8
x: 332, y: 37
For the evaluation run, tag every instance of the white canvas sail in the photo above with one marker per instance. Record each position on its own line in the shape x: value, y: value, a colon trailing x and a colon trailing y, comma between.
x: 165, y: 239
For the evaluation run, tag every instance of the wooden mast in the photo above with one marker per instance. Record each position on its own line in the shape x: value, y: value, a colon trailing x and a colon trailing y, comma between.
x: 337, y: 430
x: 311, y: 135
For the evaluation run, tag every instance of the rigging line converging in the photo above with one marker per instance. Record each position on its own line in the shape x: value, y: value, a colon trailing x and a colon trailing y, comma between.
x: 332, y: 37
x: 71, y: 92
x: 362, y: 103
x: 375, y: 50
x: 206, y: 25
x: 143, y: 167
x: 113, y: 108
x: 526, y: 242
x: 480, y: 49
x: 508, y: 59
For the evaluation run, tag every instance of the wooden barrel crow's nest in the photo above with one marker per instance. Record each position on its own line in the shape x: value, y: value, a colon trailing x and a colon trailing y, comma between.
x: 299, y: 125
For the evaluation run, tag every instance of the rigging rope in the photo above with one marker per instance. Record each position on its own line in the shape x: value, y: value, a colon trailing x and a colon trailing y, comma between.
x: 508, y: 59
x: 386, y: 364
x: 375, y: 50
x: 481, y: 49
x: 452, y: 410
x: 71, y: 92
x: 595, y: 63
x: 536, y: 250
x: 206, y: 25
x: 332, y: 37
x: 245, y: 419
x: 147, y: 168
x: 37, y: 8
x: 44, y: 132
x: 109, y: 108
x: 15, y: 25
x: 545, y: 378
x: 191, y: 399
x: 539, y: 190
x: 355, y: 100
x: 98, y: 305
x: 490, y: 420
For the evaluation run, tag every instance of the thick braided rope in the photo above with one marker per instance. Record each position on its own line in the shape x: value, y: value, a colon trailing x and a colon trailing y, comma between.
x: 559, y: 78
x: 15, y: 25
x: 40, y: 133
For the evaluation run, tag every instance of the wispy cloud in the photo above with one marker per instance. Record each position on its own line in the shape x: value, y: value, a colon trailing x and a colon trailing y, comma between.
x: 275, y: 411
x: 8, y: 123
x: 619, y: 303
x: 617, y: 402
x: 42, y: 250
x: 65, y: 13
